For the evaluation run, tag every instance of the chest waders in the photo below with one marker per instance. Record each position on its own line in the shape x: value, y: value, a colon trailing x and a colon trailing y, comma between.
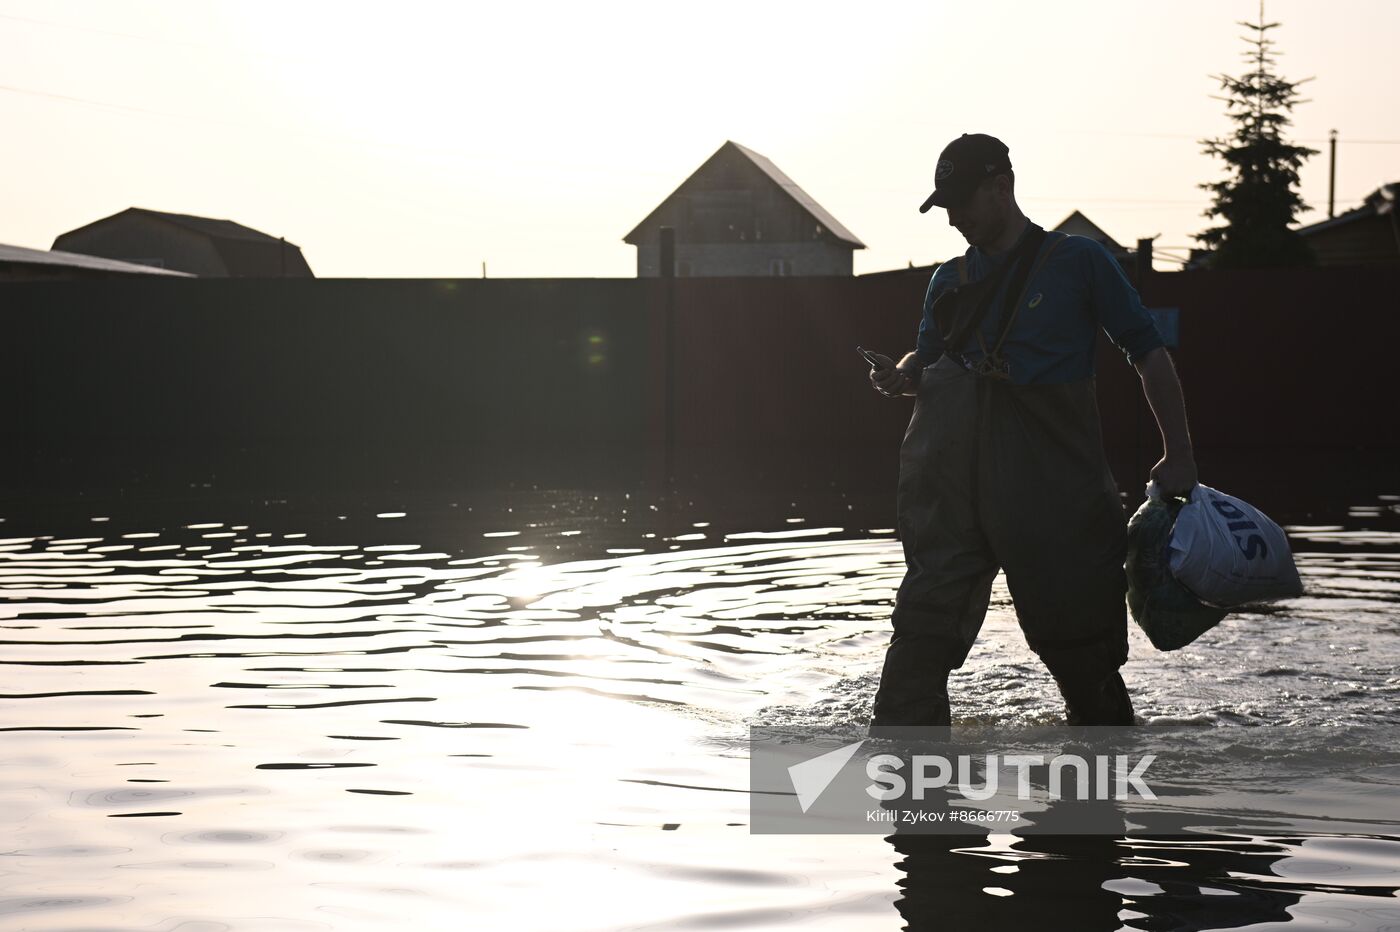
x: 995, y: 475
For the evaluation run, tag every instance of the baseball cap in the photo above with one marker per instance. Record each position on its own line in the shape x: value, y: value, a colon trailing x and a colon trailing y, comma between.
x: 964, y: 164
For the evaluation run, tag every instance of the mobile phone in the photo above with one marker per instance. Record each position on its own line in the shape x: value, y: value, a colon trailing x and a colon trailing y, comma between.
x: 870, y: 357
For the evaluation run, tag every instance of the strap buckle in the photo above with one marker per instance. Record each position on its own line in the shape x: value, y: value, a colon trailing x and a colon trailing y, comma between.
x: 994, y: 366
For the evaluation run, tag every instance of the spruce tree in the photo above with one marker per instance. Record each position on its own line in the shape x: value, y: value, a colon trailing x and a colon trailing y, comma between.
x: 1259, y: 200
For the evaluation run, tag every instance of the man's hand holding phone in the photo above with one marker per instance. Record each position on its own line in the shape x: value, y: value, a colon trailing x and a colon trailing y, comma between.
x: 884, y: 376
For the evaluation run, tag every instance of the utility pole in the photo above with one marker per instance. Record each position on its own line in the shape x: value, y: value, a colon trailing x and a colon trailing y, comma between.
x: 1331, y: 173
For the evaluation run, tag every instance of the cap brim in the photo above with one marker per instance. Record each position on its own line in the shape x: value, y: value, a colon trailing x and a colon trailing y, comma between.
x: 944, y: 199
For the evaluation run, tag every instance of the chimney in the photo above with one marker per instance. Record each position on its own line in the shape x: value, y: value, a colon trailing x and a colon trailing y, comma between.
x: 1144, y: 261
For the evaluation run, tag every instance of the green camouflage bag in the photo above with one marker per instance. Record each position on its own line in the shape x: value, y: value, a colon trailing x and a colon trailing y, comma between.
x: 1167, y: 612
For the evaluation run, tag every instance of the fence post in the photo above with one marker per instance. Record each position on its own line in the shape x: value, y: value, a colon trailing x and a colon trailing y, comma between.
x: 668, y: 273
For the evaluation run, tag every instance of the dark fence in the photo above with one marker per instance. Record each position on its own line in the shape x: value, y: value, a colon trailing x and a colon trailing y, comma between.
x: 728, y: 383
x: 308, y: 383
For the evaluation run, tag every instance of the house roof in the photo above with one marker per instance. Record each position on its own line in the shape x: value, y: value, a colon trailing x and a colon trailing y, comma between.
x: 208, y: 226
x: 923, y: 271
x: 1378, y: 203
x: 817, y: 211
x: 21, y: 255
x: 1080, y: 225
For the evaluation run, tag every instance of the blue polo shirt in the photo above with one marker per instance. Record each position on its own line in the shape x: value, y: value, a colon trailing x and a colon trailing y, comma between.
x: 1076, y: 291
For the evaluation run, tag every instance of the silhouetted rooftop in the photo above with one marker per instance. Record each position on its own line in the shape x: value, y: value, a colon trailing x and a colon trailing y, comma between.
x: 209, y: 226
x: 1379, y: 202
x: 775, y: 174
x: 802, y: 197
x: 21, y: 255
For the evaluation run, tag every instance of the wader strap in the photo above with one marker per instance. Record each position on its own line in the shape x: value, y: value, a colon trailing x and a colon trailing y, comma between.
x: 1018, y: 267
x: 985, y: 290
x: 1019, y: 286
x: 944, y: 310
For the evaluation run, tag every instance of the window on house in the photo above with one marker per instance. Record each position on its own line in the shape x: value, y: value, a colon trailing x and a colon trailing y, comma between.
x: 779, y: 267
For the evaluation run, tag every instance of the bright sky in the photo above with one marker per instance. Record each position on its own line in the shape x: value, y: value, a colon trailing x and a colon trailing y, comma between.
x: 421, y: 138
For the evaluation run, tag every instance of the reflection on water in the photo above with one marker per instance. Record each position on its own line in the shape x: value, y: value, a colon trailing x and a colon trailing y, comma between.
x: 534, y: 716
x: 1093, y: 883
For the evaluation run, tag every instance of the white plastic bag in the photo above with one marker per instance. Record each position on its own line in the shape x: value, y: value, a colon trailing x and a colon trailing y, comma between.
x: 1227, y: 552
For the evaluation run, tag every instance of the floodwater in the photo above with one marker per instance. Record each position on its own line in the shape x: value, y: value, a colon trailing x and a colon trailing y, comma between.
x: 534, y: 716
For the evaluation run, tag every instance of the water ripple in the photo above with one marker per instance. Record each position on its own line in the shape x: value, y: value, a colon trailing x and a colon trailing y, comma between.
x: 587, y: 701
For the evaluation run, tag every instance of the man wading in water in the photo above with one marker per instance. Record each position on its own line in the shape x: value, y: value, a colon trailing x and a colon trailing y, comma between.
x: 1002, y: 465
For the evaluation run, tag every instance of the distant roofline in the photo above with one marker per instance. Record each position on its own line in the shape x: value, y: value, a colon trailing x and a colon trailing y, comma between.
x: 805, y: 200
x: 1370, y: 207
x: 908, y: 270
x: 181, y: 221
x: 1111, y: 244
x: 23, y: 255
x: 793, y: 190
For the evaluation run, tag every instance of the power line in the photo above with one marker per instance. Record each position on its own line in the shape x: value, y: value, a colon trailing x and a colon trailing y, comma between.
x: 284, y: 131
x: 260, y: 54
x: 97, y: 103
x: 1195, y: 137
x: 1099, y: 203
x: 1309, y: 139
x: 1124, y: 201
x: 226, y: 50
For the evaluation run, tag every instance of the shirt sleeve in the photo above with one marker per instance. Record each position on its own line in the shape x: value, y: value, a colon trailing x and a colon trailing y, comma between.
x: 1118, y: 307
x: 930, y: 343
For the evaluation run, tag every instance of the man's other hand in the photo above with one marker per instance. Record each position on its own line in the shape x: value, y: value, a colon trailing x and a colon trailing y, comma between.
x: 1175, y: 475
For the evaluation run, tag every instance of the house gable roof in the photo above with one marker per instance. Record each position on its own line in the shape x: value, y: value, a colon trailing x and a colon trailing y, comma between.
x: 207, y: 226
x: 22, y: 255
x: 1379, y: 202
x: 244, y: 251
x: 774, y: 174
x: 1080, y: 225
